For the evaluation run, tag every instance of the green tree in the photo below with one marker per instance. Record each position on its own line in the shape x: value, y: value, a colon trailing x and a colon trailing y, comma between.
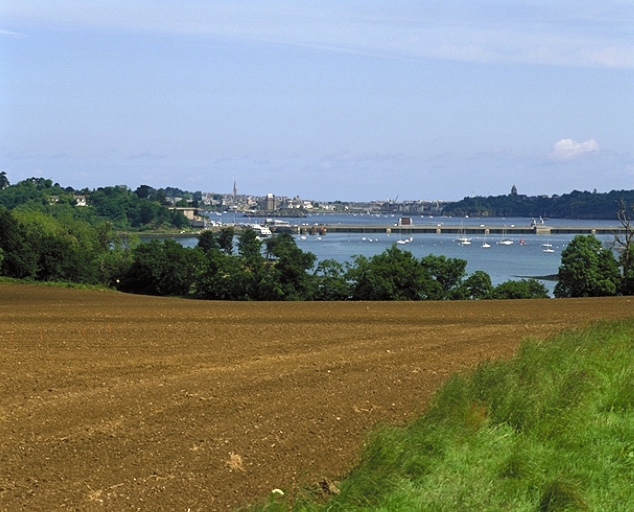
x: 105, y: 235
x: 392, y: 275
x: 477, y: 286
x: 250, y: 248
x: 4, y: 181
x: 165, y: 268
x: 225, y: 239
x: 289, y: 271
x: 253, y: 277
x: 207, y: 241
x: 65, y: 248
x: 587, y: 269
x: 523, y: 289
x: 330, y: 281
x: 447, y: 272
x: 144, y: 191
x: 220, y: 277
x: 20, y: 260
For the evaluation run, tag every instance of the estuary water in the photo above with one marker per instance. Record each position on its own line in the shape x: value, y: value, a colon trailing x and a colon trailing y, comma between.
x: 524, y: 258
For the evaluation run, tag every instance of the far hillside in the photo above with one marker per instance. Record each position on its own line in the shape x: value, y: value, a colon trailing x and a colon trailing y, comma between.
x: 575, y: 205
x: 142, y: 209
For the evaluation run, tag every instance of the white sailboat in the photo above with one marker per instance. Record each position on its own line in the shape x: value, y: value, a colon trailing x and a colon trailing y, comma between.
x: 485, y: 245
x: 504, y: 240
x: 462, y: 236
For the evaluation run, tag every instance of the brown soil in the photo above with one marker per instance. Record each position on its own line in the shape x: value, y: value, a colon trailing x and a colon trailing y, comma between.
x: 112, y: 401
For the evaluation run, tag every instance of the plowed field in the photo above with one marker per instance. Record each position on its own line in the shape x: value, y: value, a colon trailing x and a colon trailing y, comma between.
x: 119, y: 402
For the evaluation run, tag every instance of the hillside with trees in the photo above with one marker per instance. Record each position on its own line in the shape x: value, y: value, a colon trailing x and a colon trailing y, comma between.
x: 142, y: 209
x: 574, y: 205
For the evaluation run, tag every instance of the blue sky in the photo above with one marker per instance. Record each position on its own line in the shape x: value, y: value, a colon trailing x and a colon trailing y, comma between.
x: 328, y: 100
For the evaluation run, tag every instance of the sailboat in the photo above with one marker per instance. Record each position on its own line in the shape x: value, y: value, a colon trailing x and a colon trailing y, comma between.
x: 485, y: 245
x: 504, y: 240
x: 462, y: 236
x: 547, y: 247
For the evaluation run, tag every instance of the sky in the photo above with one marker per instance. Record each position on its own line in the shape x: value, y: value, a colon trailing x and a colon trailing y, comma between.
x: 329, y: 100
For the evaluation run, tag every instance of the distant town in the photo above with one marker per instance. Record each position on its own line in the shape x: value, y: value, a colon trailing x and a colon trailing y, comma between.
x: 298, y: 207
x: 572, y: 205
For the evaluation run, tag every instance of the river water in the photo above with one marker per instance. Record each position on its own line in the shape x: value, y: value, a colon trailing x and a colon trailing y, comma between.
x: 501, y: 262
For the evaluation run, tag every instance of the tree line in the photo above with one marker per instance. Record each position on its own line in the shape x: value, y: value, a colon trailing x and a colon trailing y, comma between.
x: 60, y: 242
x: 142, y: 209
x: 228, y: 266
x: 40, y: 247
x: 574, y: 205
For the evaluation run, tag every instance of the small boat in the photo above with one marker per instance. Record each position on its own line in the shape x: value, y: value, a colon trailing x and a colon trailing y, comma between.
x: 462, y: 238
x: 504, y: 240
x: 260, y: 231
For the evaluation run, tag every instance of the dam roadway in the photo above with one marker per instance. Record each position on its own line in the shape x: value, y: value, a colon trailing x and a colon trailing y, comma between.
x: 481, y: 229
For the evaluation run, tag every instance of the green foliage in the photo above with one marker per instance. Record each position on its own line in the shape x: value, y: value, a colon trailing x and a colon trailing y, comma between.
x: 225, y: 239
x: 330, y: 281
x: 4, y: 181
x: 162, y: 268
x: 37, y: 191
x: 41, y: 247
x: 207, y: 241
x: 20, y: 260
x: 477, y: 286
x: 448, y: 273
x: 392, y: 275
x: 290, y: 266
x: 587, y: 269
x: 552, y: 429
x: 575, y: 205
x: 523, y: 289
x: 134, y: 210
x: 219, y: 278
x: 125, y: 209
x: 250, y: 249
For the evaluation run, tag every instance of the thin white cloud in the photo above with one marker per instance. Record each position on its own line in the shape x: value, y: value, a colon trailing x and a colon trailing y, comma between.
x: 567, y: 33
x: 568, y: 149
x: 145, y: 155
x: 9, y: 33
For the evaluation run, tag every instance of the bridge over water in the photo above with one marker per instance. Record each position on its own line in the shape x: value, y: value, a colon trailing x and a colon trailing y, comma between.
x: 471, y: 230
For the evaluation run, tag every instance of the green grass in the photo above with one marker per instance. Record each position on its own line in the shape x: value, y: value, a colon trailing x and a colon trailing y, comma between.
x: 56, y: 284
x: 551, y: 429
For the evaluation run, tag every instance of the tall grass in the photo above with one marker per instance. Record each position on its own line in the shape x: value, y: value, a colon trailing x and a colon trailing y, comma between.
x: 56, y: 284
x: 551, y: 429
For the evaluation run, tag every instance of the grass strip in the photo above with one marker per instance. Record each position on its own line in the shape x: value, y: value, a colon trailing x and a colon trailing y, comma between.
x: 551, y: 429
